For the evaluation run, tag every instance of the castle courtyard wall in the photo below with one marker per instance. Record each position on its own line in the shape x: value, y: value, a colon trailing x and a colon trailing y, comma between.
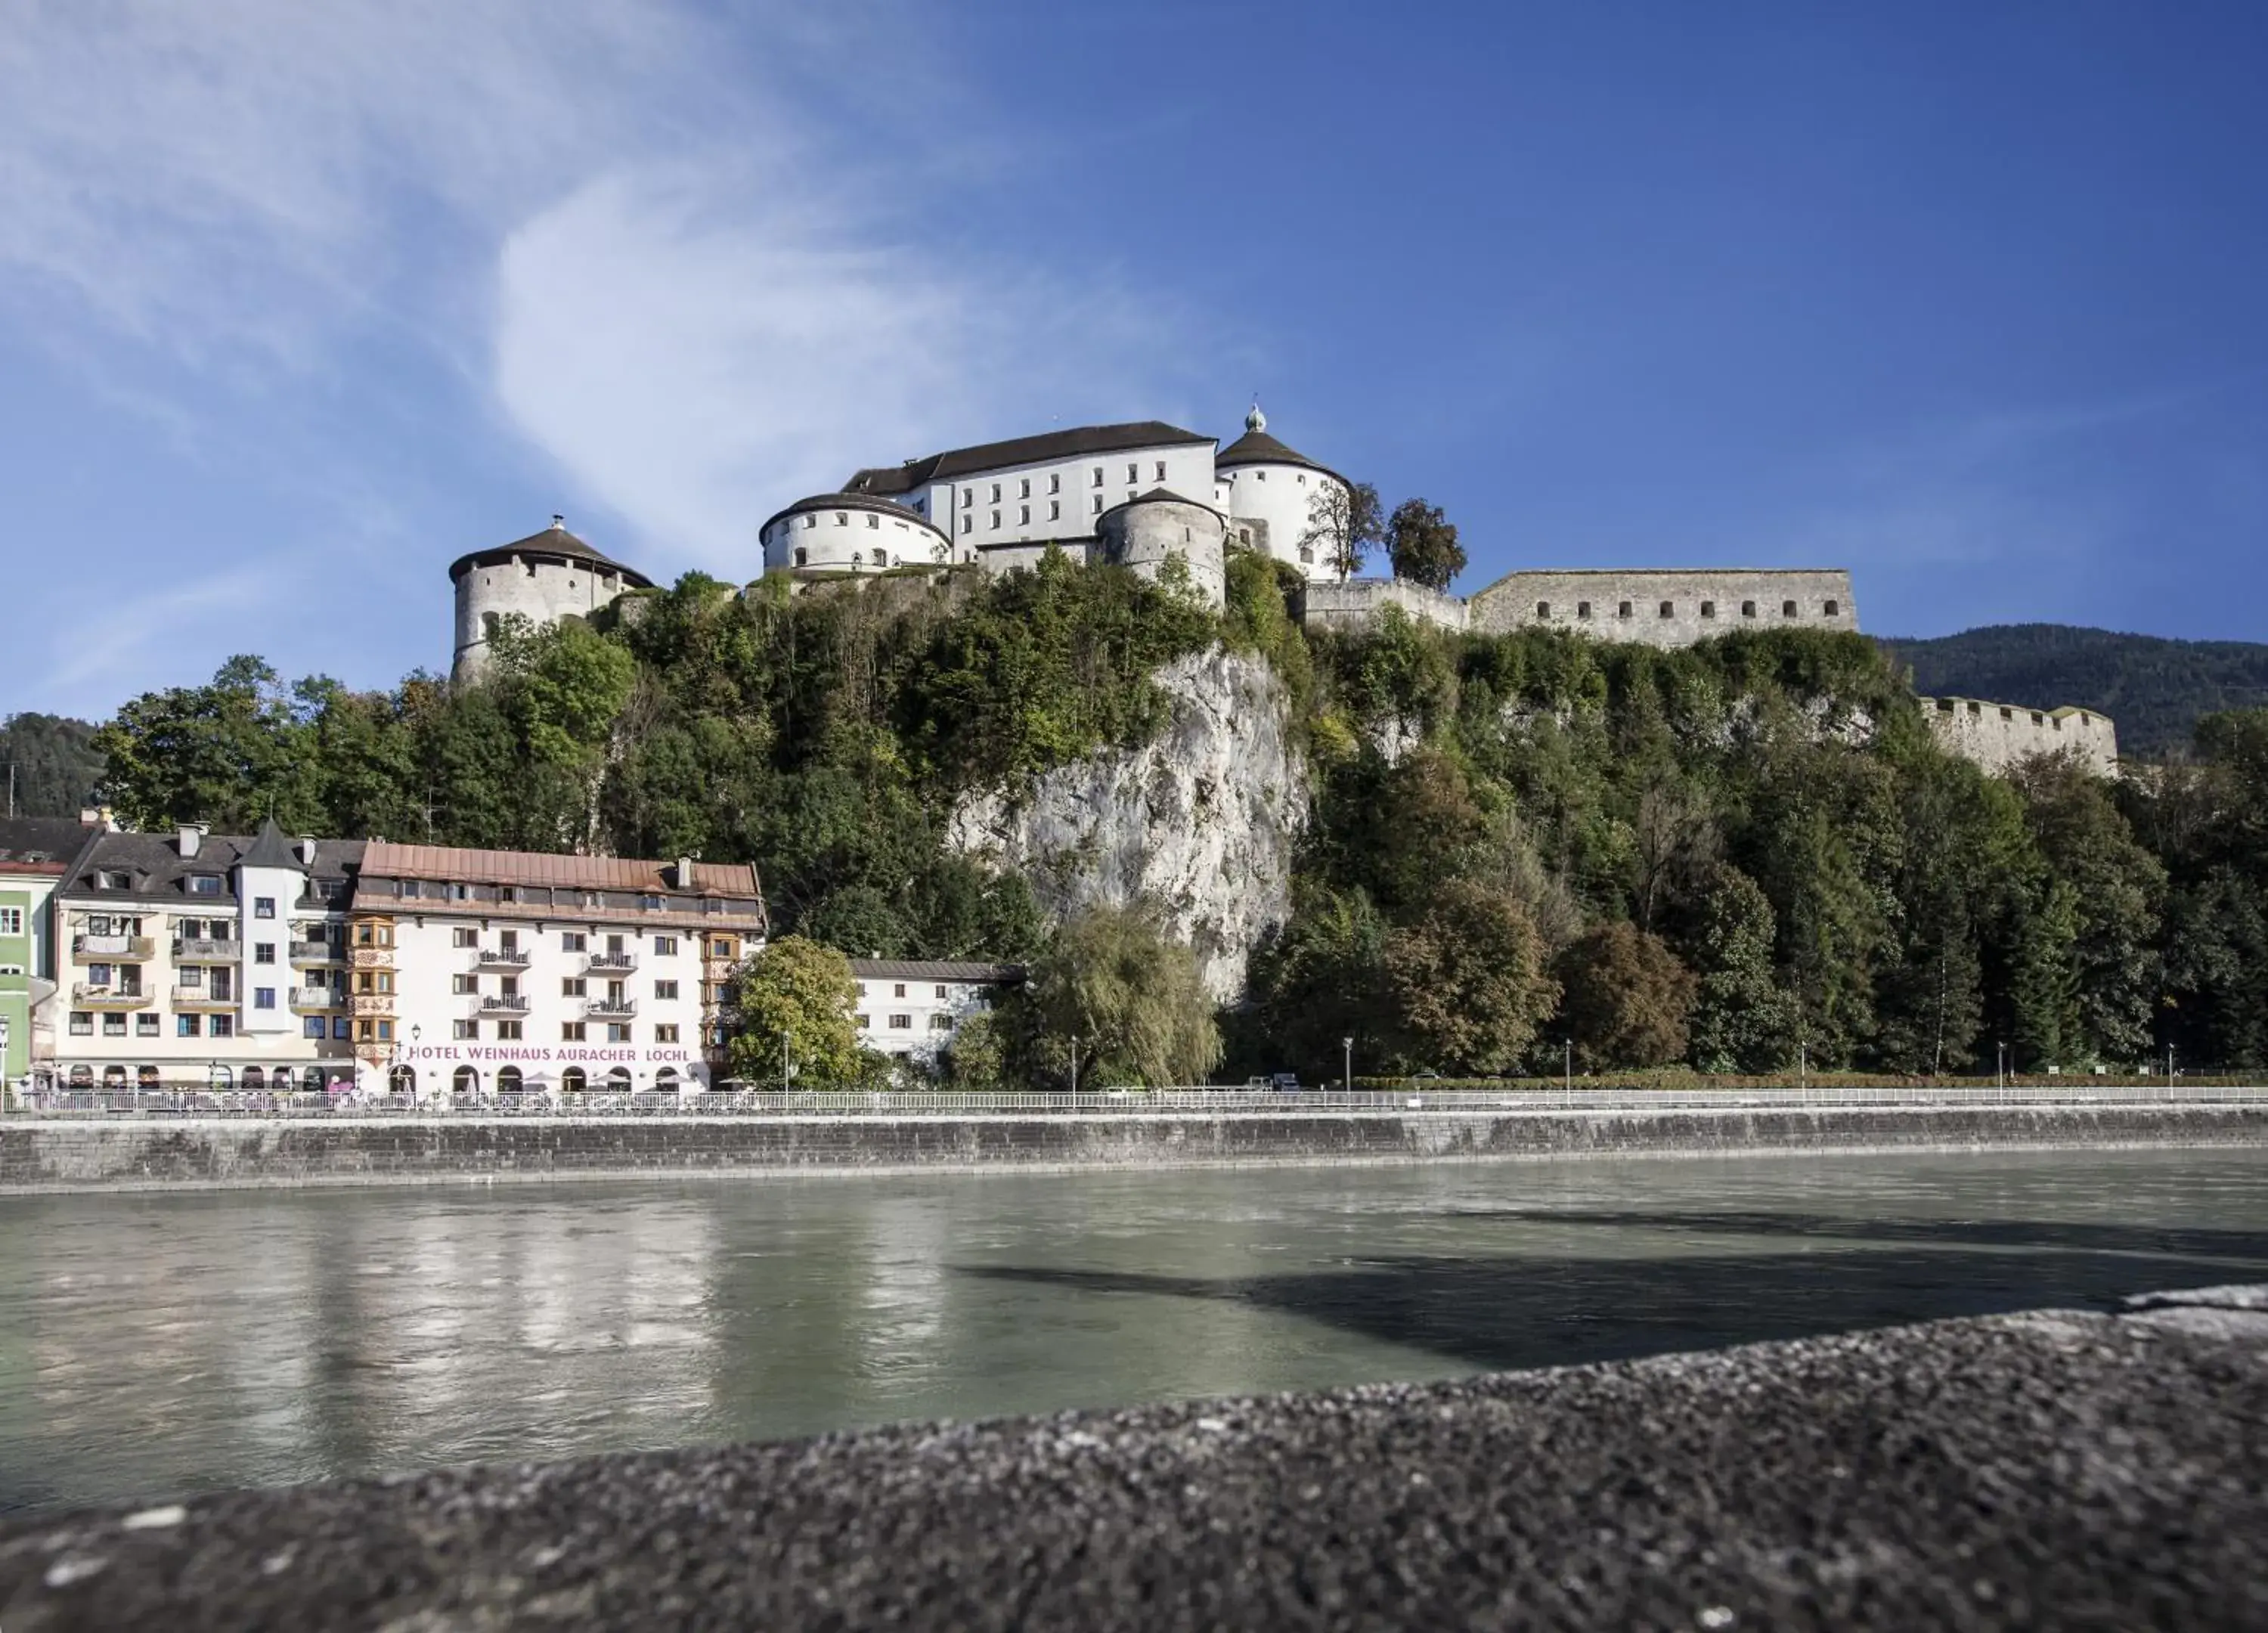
x: 1355, y: 602
x: 2001, y: 736
x: 1615, y: 604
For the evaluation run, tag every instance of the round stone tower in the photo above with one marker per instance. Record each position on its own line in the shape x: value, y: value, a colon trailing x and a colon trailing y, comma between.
x: 543, y: 578
x: 1268, y: 492
x: 1146, y: 530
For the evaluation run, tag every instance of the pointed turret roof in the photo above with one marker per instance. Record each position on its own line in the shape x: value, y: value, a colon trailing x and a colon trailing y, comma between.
x: 271, y: 849
x: 1258, y: 447
x: 555, y: 543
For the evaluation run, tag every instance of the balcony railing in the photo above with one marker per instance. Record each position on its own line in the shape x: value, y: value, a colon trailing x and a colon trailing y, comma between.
x: 207, y: 950
x: 614, y: 960
x: 114, y: 946
x: 611, y: 1008
x: 503, y: 1004
x: 317, y: 953
x: 372, y: 958
x: 500, y: 958
x: 373, y: 1003
x: 317, y: 999
x: 203, y: 997
x: 89, y: 995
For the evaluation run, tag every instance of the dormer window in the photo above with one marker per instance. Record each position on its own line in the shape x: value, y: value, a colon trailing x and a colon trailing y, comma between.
x: 205, y: 884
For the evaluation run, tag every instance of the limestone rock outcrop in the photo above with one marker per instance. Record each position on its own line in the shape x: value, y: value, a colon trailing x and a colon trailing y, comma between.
x: 1201, y: 821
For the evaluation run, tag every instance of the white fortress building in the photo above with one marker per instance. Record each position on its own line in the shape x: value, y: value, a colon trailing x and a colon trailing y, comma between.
x: 1147, y: 493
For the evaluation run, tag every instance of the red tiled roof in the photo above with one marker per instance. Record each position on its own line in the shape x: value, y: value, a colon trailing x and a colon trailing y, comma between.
x: 384, y: 860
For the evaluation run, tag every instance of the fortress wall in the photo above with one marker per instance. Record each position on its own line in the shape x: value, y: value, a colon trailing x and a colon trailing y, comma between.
x: 1000, y: 558
x: 1327, y: 605
x: 1997, y: 736
x: 1702, y: 603
x: 542, y: 591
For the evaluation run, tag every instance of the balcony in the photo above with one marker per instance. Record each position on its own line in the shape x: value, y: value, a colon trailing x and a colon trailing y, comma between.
x: 203, y: 997
x: 611, y: 1008
x: 307, y: 999
x: 135, y: 947
x: 372, y: 1003
x: 614, y: 960
x: 503, y: 1004
x: 88, y: 995
x: 500, y: 958
x: 317, y: 953
x: 205, y: 950
x: 372, y: 958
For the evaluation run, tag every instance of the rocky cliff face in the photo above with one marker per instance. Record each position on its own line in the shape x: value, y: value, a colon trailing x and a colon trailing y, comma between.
x: 1201, y: 821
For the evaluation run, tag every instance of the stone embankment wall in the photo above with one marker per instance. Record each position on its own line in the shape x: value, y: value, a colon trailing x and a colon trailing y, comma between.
x: 1629, y: 604
x: 64, y: 1155
x: 1998, y: 736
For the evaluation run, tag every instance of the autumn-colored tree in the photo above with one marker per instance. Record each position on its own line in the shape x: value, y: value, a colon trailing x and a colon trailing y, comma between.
x: 1467, y: 982
x: 1627, y: 998
x: 1422, y: 544
x: 1132, y: 995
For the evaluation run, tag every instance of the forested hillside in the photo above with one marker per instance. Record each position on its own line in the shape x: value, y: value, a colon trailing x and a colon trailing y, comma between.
x: 2154, y: 688
x: 1519, y: 844
x: 51, y: 762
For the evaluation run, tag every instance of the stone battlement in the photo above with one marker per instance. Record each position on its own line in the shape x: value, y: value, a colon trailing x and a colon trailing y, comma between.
x: 1998, y: 736
x: 1666, y: 607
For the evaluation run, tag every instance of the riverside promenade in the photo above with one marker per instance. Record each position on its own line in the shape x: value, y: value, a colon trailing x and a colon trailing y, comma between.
x: 2061, y: 1469
x: 208, y: 1141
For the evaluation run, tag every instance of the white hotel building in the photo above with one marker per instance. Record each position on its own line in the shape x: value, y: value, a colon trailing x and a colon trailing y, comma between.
x: 913, y: 1008
x: 273, y: 963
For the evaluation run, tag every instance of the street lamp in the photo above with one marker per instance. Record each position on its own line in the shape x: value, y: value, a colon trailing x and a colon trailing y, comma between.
x: 2000, y: 1067
x: 1349, y: 1044
x: 1074, y: 1062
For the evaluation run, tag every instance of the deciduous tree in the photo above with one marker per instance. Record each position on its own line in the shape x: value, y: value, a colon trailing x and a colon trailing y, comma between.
x: 1345, y: 522
x: 1422, y: 544
x: 797, y: 1004
x: 1627, y: 998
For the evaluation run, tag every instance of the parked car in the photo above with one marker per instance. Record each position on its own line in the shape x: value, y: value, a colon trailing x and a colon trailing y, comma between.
x: 1284, y: 1082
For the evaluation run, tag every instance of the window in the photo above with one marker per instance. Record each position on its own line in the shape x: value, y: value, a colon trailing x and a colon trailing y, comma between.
x: 866, y: 1023
x: 1582, y: 610
x: 618, y: 1032
x: 113, y: 1025
x: 509, y: 985
x: 220, y: 1026
x: 263, y: 907
x: 573, y: 987
x: 1708, y: 609
x: 339, y: 1028
x: 1024, y: 489
x: 571, y: 941
x: 1055, y: 482
x: 571, y: 1032
x: 1667, y: 610
x: 205, y: 884
x: 665, y: 946
x: 461, y: 984
x: 1055, y: 509
x: 1787, y: 609
x: 1023, y: 515
x: 464, y: 936
x: 665, y: 1033
x: 940, y: 1023
x: 1623, y: 610
x: 99, y: 974
x: 940, y: 995
x: 508, y: 1031
x: 965, y: 524
x: 1832, y: 608
x: 664, y: 989
x: 996, y: 518
x: 802, y: 556
x: 995, y: 493
x: 720, y: 949
x: 145, y: 1026
x: 184, y: 1026
x: 967, y: 497
x: 1543, y: 609
x: 385, y: 1030
x: 1133, y: 471
x: 809, y: 520
x: 12, y: 921
x: 263, y: 997
x: 263, y: 952
x: 1098, y: 504
x: 1747, y: 609
x: 899, y: 992
x: 467, y: 1029
x: 902, y: 1022
x: 1161, y: 470
x: 82, y: 1023
x: 311, y: 1027
x: 1098, y: 475
x: 873, y: 520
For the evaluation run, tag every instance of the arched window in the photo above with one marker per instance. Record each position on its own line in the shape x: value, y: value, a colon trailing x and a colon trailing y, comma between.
x: 402, y: 1080
x: 223, y: 1077
x: 466, y: 1081
x: 508, y: 1080
x: 82, y: 1077
x: 618, y: 1080
x: 665, y: 1081
x: 802, y: 555
x: 280, y: 1080
x: 1833, y: 607
x: 146, y: 1077
x: 572, y: 1081
x: 254, y: 1078
x: 114, y: 1076
x: 1543, y: 609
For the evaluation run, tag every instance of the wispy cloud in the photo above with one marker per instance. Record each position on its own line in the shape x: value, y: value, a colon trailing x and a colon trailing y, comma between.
x: 204, y: 614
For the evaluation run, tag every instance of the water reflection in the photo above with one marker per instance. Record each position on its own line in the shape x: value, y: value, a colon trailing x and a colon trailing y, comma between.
x: 153, y: 1343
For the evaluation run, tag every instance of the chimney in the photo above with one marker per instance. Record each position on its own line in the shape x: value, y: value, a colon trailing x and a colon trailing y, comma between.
x: 685, y: 872
x: 308, y: 850
x: 187, y: 837
x: 89, y: 816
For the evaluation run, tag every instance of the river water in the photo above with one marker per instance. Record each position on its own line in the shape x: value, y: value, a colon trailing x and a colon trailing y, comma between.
x: 160, y: 1343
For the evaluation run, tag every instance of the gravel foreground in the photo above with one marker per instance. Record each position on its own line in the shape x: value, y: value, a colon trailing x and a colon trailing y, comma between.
x: 2060, y: 1469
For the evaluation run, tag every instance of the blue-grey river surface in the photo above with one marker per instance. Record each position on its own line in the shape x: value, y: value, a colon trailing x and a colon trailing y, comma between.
x: 159, y: 1343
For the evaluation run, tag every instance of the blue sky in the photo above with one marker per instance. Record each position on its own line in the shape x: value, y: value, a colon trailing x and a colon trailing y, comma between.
x: 298, y: 302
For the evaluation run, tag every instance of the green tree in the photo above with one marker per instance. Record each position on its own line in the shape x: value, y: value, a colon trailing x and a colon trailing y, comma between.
x: 977, y: 1057
x: 1467, y: 982
x: 797, y: 1002
x: 1345, y: 522
x: 1133, y: 998
x: 49, y: 763
x: 2118, y: 895
x: 1627, y: 998
x: 230, y: 753
x: 1422, y: 544
x: 1740, y: 1019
